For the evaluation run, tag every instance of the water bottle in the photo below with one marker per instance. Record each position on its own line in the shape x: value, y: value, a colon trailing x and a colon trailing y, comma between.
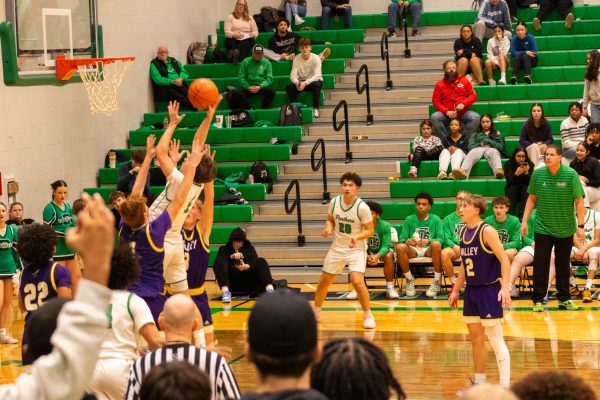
x: 165, y: 123
x: 416, y: 238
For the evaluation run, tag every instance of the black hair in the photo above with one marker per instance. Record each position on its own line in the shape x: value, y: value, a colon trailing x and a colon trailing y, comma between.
x: 493, y: 131
x: 460, y: 124
x: 575, y: 104
x: 138, y: 156
x: 124, y: 267
x: 59, y: 183
x: 176, y: 380
x: 594, y: 126
x: 293, y: 366
x: 426, y: 196
x: 37, y: 243
x: 523, y: 25
x: 591, y: 72
x: 78, y: 206
x: 375, y: 207
x: 463, y: 27
x: 530, y: 124
x: 499, y: 200
x: 353, y: 177
x: 353, y: 368
x: 559, y: 151
x: 41, y: 324
x: 500, y: 25
x: 552, y: 385
x: 283, y: 20
x: 513, y: 158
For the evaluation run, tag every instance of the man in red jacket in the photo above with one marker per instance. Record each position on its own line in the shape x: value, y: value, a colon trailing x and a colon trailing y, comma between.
x: 452, y: 97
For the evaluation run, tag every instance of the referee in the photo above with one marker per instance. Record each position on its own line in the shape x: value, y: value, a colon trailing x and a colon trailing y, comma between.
x: 553, y: 189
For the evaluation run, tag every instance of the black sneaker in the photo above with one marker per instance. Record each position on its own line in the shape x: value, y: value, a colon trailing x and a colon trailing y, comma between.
x: 527, y: 79
x: 391, y: 33
x: 416, y: 32
x: 235, y: 58
x: 513, y: 80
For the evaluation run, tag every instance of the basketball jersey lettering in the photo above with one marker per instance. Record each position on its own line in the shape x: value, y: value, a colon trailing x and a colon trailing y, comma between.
x: 469, y: 267
x: 423, y: 232
x: 374, y: 242
x: 35, y: 295
x: 345, y: 228
x: 503, y: 235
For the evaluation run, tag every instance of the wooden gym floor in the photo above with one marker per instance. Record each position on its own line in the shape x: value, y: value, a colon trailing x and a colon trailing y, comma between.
x: 425, y: 341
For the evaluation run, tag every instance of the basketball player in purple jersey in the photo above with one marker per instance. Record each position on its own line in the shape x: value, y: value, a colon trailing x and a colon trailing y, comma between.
x: 42, y: 279
x: 486, y: 271
x: 147, y: 238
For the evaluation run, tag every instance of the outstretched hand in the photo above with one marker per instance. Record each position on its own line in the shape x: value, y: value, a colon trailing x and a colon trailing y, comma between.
x: 174, y: 117
x: 174, y: 154
x: 212, y: 109
x: 150, y: 149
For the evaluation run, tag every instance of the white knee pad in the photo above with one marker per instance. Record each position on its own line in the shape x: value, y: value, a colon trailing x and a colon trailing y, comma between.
x: 593, y: 254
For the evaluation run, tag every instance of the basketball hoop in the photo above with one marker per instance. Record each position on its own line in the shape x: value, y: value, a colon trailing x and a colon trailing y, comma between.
x: 101, y: 77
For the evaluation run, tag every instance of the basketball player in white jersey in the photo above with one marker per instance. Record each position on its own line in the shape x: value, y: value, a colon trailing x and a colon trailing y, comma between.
x: 351, y: 222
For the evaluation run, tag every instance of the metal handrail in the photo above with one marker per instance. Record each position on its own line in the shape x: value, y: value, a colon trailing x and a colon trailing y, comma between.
x: 365, y: 86
x: 343, y: 124
x: 385, y: 55
x: 315, y: 167
x: 295, y: 204
x: 405, y: 19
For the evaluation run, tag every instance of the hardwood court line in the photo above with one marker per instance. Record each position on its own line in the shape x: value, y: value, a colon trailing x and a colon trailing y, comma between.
x: 411, y: 308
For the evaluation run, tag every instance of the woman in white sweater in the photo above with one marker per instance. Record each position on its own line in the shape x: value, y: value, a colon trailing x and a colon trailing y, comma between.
x: 591, y: 87
x: 241, y: 32
x: 497, y: 56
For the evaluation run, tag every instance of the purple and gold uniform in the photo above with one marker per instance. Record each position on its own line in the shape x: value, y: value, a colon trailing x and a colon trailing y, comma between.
x: 148, y: 243
x: 38, y: 285
x: 483, y: 275
x: 196, y: 257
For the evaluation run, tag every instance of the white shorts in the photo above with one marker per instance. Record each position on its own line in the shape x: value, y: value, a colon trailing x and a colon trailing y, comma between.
x: 338, y: 258
x: 110, y: 378
x: 528, y: 249
x: 420, y: 250
x: 175, y: 267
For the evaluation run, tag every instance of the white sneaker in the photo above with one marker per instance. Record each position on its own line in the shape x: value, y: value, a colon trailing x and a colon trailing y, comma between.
x: 412, y: 172
x: 369, y: 322
x: 409, y: 290
x: 433, y: 289
x: 7, y: 339
x: 316, y: 113
x: 492, y: 82
x: 391, y: 293
x: 514, y: 292
x: 298, y: 20
x: 352, y: 295
x: 502, y: 81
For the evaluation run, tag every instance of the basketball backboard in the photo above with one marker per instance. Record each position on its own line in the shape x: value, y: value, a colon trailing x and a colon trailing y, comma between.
x: 44, y: 29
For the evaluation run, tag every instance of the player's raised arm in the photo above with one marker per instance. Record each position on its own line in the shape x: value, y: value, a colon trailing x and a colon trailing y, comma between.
x: 142, y: 176
x: 162, y: 149
x: 202, y: 132
x: 491, y: 239
x: 208, y: 209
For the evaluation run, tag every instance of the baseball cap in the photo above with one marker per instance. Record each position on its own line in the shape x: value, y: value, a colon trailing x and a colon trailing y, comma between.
x: 282, y: 324
x: 259, y: 48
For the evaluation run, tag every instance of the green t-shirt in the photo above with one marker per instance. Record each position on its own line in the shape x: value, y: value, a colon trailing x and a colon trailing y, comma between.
x: 555, y: 195
x: 429, y: 228
x: 529, y: 239
x: 452, y: 225
x: 509, y: 231
x: 8, y: 264
x: 381, y: 241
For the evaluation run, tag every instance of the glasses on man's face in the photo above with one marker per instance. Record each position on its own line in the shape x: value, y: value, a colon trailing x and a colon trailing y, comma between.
x: 460, y: 198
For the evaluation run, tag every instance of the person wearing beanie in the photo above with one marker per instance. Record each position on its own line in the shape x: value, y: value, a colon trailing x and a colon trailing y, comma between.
x: 239, y: 269
x: 282, y: 344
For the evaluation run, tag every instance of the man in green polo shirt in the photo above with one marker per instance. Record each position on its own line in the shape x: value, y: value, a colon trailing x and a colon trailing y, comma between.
x: 553, y: 189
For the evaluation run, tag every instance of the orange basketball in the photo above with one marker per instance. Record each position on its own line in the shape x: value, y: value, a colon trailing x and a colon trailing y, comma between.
x: 203, y: 93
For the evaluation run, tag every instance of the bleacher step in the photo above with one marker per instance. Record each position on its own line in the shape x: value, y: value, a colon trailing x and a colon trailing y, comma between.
x: 399, y: 62
x: 385, y: 167
x: 357, y: 147
x: 396, y: 46
x: 427, y: 32
x: 378, y: 128
x: 382, y: 95
x: 379, y: 76
x: 333, y: 184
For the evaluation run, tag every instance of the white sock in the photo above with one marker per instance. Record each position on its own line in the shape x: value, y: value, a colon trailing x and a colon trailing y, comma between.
x: 389, y: 285
x: 224, y: 289
x: 479, y: 378
x: 572, y: 281
x: 2, y: 331
x: 437, y: 276
x: 496, y: 339
x: 270, y: 288
x: 453, y: 279
x: 199, y: 338
x: 503, y: 75
x: 409, y: 276
x: 366, y: 313
x: 589, y: 283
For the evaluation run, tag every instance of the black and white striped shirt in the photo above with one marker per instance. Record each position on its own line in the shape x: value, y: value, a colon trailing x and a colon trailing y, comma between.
x: 223, y: 383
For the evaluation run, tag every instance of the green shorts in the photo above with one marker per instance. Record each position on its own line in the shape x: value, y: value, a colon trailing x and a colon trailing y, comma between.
x: 63, y: 252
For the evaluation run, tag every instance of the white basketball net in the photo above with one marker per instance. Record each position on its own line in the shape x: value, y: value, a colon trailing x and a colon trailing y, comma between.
x: 102, y: 82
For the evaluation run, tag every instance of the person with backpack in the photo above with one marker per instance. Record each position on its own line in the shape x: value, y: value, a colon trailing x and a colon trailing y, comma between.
x: 306, y: 76
x: 256, y: 78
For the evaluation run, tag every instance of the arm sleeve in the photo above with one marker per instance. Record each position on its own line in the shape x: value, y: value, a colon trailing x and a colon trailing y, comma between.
x: 448, y: 231
x: 157, y: 78
x: 48, y: 215
x: 272, y: 41
x: 471, y: 97
x: 242, y: 75
x: 364, y: 213
x: 228, y: 22
x: 586, y: 93
x: 386, y: 240
x: 594, y: 179
x: 524, y: 137
x: 496, y: 142
x: 405, y: 231
x: 513, y: 47
x: 268, y: 81
x: 477, y: 47
x: 457, y: 47
x: 533, y: 43
x: 509, y: 173
x: 505, y: 46
x: 250, y: 254
x: 473, y: 141
x: 436, y: 99
x: 490, y: 48
x: 226, y: 383
x: 64, y: 373
x: 578, y: 191
x: 63, y: 276
x: 184, y: 74
x: 141, y: 312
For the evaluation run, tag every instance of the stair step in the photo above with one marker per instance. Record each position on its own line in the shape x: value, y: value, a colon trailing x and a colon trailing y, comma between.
x: 382, y: 95
x: 357, y: 147
x: 396, y: 47
x: 379, y: 76
x: 413, y: 62
x: 385, y: 167
x: 381, y: 129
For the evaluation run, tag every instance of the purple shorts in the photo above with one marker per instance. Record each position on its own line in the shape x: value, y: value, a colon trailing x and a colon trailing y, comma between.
x: 201, y: 302
x: 482, y: 302
x: 156, y: 305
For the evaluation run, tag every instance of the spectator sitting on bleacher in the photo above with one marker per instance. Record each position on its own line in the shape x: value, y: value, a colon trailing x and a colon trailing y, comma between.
x: 306, y: 76
x: 241, y: 32
x: 492, y: 13
x: 588, y: 252
x: 497, y: 56
x: 421, y: 236
x: 514, y: 5
x: 467, y: 52
x: 572, y: 130
x: 168, y: 79
x: 284, y: 44
x: 523, y: 49
x: 507, y: 226
x: 451, y: 226
x: 588, y: 169
x: 536, y: 135
x: 592, y: 134
x: 425, y: 147
x: 117, y: 198
x: 397, y: 7
x: 456, y: 147
x: 486, y: 143
x: 295, y: 9
x: 452, y: 97
x: 129, y: 171
x: 524, y: 258
x: 517, y: 171
x: 546, y: 6
x: 591, y: 86
x: 336, y: 7
x: 255, y: 77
